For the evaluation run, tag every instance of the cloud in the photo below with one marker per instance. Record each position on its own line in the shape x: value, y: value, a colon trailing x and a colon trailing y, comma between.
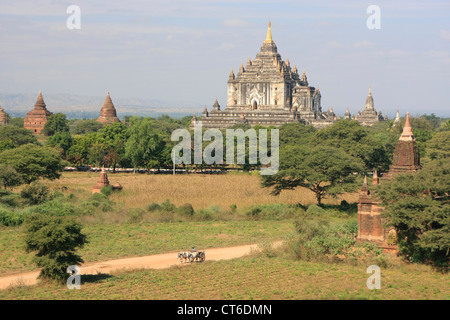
x: 234, y: 23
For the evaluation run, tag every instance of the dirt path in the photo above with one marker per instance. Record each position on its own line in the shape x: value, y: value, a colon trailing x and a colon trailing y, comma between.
x: 159, y: 261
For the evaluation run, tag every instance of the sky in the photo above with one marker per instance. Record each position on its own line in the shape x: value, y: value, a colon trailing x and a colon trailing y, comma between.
x: 184, y: 50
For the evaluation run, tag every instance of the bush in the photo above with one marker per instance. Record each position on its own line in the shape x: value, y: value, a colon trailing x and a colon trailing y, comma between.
x: 55, y: 240
x: 35, y: 193
x: 253, y: 212
x: 153, y: 207
x: 233, y: 208
x: 10, y: 218
x: 55, y: 208
x: 167, y: 206
x: 186, y: 210
x: 135, y: 215
x: 106, y: 190
x: 9, y: 198
x: 315, y: 210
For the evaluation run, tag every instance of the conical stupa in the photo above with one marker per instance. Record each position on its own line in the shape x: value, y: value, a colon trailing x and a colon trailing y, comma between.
x: 36, y: 119
x: 108, y: 112
x: 3, y: 117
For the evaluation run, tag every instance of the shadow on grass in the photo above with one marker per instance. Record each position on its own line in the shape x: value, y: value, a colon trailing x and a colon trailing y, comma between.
x: 95, y: 278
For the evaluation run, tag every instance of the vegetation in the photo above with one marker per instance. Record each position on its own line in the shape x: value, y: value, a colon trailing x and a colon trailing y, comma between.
x: 309, y: 203
x: 33, y: 162
x: 55, y: 239
x: 418, y: 207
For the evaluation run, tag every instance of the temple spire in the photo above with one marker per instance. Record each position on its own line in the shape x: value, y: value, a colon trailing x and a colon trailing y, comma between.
x: 269, y: 34
x: 40, y: 101
x: 407, y: 134
x: 375, y: 179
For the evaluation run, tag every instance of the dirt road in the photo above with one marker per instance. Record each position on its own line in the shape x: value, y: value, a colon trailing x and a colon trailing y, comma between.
x: 159, y: 261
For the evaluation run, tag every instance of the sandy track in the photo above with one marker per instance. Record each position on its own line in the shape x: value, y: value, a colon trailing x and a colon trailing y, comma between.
x: 158, y: 261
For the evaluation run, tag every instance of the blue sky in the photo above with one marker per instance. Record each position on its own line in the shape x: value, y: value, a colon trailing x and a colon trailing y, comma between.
x: 184, y: 50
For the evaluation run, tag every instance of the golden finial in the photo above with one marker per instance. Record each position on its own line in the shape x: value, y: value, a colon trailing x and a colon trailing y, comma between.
x: 269, y: 35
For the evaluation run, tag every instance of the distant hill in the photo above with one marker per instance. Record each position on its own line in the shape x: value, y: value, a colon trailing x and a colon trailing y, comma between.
x: 75, y: 106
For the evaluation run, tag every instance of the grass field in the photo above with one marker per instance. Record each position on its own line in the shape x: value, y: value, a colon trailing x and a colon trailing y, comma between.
x: 127, y: 240
x: 112, y: 234
x: 250, y: 278
x: 201, y: 191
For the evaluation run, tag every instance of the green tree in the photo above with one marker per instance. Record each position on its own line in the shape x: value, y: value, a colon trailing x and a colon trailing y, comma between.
x: 55, y: 240
x: 12, y: 136
x: 86, y: 126
x: 9, y: 177
x: 79, y: 151
x: 56, y: 122
x: 144, y: 147
x: 62, y: 141
x: 33, y: 162
x: 323, y: 170
x: 418, y: 206
x: 354, y: 139
x: 439, y: 146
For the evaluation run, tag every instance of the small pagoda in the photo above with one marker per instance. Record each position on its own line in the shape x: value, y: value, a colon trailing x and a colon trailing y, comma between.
x: 36, y: 119
x: 103, y: 181
x: 108, y: 113
x: 3, y: 117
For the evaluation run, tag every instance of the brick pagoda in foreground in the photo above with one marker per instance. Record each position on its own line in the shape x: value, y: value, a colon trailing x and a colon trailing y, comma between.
x: 370, y: 223
x: 36, y: 119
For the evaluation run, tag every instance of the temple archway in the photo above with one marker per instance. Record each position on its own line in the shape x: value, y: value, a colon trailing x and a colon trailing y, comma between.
x: 254, y: 105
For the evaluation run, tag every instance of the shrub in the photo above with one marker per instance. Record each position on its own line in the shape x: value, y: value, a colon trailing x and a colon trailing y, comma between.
x: 35, y: 193
x: 10, y: 218
x: 106, y: 190
x: 153, y: 207
x: 135, y: 215
x: 55, y: 208
x: 253, y: 212
x: 315, y: 210
x: 186, y: 210
x: 233, y: 208
x: 9, y: 198
x: 167, y: 206
x: 55, y: 240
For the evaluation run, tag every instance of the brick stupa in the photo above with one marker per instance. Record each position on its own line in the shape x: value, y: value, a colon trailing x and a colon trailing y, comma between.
x: 3, y: 117
x: 108, y: 113
x: 103, y: 181
x: 406, y: 153
x: 37, y: 118
x: 370, y: 222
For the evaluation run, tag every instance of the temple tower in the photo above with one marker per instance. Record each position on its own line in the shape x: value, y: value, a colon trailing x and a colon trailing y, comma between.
x: 108, y: 112
x: 406, y: 159
x: 36, y: 119
x: 406, y: 154
x: 3, y: 117
x: 369, y: 115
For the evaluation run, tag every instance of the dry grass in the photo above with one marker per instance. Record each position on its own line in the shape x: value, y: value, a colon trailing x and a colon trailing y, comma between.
x: 202, y: 191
